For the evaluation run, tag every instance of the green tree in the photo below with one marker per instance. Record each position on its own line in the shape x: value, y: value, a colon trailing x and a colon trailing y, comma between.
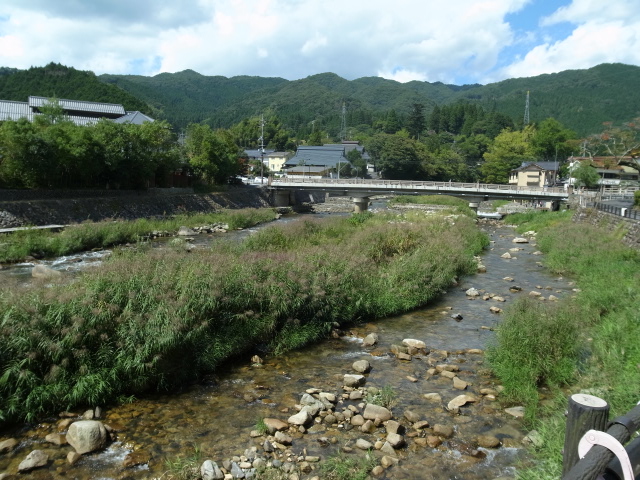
x: 585, y: 174
x: 359, y: 164
x: 213, y: 155
x: 507, y: 152
x: 416, y: 120
x: 400, y: 158
x: 551, y: 140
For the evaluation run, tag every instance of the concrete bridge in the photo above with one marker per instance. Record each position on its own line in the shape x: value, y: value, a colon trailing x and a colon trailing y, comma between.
x: 360, y: 190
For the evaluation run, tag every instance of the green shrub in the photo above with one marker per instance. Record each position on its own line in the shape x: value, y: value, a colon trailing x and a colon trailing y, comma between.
x: 636, y: 198
x: 343, y: 467
x: 385, y: 397
x: 537, y: 344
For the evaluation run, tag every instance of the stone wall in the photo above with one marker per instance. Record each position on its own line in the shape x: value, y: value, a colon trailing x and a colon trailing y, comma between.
x: 608, y: 221
x: 78, y: 209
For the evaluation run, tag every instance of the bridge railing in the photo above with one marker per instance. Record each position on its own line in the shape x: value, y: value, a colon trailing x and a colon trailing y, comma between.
x: 409, y: 185
x: 620, y: 211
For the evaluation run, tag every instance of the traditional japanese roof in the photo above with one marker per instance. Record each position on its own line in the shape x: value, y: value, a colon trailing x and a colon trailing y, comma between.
x: 547, y: 166
x: 324, y: 156
x: 136, y: 118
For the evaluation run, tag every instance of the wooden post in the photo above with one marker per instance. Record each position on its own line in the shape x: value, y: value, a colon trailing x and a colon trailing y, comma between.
x: 585, y: 413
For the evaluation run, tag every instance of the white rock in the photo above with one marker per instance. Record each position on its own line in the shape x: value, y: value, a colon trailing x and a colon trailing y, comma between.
x: 410, y: 342
x: 87, y: 436
x: 354, y: 381
x: 472, y: 292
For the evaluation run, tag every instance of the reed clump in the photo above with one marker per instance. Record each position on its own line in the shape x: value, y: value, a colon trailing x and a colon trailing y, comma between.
x: 151, y: 321
x: 86, y: 236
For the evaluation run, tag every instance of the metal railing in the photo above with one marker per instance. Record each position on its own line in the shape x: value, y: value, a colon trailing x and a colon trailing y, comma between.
x: 619, y: 211
x: 418, y: 185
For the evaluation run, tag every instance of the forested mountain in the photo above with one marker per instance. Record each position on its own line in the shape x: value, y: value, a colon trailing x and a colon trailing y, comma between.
x: 580, y: 99
x: 55, y: 80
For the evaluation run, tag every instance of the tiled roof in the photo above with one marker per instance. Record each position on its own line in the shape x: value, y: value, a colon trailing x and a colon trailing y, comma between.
x: 80, y: 105
x: 325, y: 156
x: 136, y: 118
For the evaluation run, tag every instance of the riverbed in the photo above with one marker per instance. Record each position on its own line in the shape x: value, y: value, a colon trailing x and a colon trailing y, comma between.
x: 216, y: 417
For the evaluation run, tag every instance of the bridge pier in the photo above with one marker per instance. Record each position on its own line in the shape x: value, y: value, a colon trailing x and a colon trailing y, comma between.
x: 281, y: 198
x: 361, y: 204
x: 474, y: 206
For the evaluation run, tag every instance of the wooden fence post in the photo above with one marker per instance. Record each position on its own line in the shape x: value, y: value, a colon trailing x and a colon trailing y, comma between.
x: 585, y: 413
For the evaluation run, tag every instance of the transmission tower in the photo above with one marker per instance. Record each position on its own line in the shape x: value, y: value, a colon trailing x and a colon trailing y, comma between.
x: 343, y: 126
x: 526, y: 110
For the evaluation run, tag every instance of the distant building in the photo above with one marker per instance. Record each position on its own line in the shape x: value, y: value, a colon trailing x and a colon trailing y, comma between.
x: 79, y: 112
x: 324, y: 159
x: 534, y: 174
x: 608, y: 169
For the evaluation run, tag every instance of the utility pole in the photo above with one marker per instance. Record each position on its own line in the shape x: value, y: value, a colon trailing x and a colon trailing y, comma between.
x: 526, y: 110
x: 343, y: 126
x: 261, y: 149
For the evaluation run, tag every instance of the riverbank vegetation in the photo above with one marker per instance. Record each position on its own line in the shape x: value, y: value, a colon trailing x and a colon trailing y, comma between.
x: 586, y: 342
x: 17, y: 246
x: 152, y: 321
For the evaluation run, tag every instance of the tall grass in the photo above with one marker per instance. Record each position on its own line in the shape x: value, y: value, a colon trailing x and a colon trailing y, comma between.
x: 85, y: 236
x: 149, y: 320
x: 590, y: 341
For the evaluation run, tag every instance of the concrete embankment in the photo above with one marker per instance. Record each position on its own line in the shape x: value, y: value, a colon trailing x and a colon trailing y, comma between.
x: 21, y: 208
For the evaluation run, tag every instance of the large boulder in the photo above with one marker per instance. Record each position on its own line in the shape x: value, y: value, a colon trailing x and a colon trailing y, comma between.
x: 354, y: 381
x: 42, y: 271
x: 361, y: 366
x: 87, y: 436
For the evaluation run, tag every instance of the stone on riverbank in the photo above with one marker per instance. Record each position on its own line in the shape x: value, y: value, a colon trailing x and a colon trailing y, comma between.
x: 34, y: 460
x: 361, y: 366
x: 8, y: 445
x: 301, y: 418
x: 87, y: 436
x: 472, y: 292
x: 520, y: 240
x: 42, y: 271
x: 377, y: 412
x: 354, y: 381
x: 210, y: 471
x: 275, y: 424
x: 370, y: 340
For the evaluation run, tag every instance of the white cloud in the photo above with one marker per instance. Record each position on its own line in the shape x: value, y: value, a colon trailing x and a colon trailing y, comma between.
x: 606, y: 32
x: 428, y: 40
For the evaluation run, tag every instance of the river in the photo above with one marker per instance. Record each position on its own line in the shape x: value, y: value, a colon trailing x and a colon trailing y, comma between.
x: 216, y: 417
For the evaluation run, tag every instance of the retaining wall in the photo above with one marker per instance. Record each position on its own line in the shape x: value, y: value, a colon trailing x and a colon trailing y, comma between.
x: 608, y: 221
x: 103, y: 205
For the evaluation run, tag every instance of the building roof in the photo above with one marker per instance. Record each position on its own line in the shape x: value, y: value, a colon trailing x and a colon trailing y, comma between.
x: 324, y: 156
x: 79, y: 112
x: 256, y: 153
x: 350, y: 145
x: 106, y: 109
x: 135, y: 118
x: 307, y: 169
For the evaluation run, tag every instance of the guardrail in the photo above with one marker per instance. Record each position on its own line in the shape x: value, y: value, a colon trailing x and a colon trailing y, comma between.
x: 619, y: 211
x: 593, y: 447
x: 416, y: 185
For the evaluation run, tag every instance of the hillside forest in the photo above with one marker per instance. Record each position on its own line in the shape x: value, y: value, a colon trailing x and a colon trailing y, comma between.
x: 416, y: 130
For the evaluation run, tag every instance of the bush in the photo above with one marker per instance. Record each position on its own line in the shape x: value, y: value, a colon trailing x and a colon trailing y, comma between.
x: 636, y: 198
x: 537, y: 344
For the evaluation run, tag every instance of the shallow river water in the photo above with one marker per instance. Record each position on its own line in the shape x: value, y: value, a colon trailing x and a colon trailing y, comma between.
x: 217, y: 416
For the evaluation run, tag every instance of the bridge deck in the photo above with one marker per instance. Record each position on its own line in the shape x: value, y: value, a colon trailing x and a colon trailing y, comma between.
x: 373, y: 187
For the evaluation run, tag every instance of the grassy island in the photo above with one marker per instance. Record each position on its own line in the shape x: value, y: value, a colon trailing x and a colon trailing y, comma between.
x: 151, y: 321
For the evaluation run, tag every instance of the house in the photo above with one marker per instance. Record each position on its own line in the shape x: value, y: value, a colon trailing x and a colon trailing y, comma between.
x: 79, y: 112
x: 355, y: 145
x: 276, y: 160
x: 608, y: 169
x: 326, y: 157
x: 534, y: 174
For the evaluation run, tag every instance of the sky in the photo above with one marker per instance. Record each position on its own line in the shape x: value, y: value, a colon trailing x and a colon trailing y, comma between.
x: 451, y: 41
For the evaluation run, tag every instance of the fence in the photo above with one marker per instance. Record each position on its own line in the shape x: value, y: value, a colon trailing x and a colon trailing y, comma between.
x: 590, y: 452
x: 620, y: 211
